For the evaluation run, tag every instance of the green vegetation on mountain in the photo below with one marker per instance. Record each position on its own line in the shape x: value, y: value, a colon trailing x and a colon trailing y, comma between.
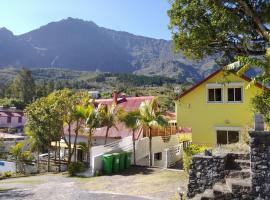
x: 47, y: 80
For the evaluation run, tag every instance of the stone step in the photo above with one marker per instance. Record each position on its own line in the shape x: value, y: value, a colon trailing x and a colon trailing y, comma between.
x: 241, y: 156
x: 221, y: 191
x: 244, y: 173
x: 243, y: 164
x: 239, y: 185
x: 208, y: 195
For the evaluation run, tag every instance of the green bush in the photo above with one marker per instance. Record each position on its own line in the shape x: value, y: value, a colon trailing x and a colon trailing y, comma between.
x: 189, y: 152
x: 7, y: 174
x: 75, y: 167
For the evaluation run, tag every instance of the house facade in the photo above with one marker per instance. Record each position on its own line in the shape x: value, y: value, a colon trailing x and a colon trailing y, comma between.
x: 218, y: 110
x: 12, y: 118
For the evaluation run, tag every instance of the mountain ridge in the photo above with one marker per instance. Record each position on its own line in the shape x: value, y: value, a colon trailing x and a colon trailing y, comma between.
x: 83, y: 45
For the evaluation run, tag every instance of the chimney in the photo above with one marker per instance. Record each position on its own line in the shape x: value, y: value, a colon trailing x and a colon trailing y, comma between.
x: 258, y: 122
x: 115, y: 97
x: 123, y: 95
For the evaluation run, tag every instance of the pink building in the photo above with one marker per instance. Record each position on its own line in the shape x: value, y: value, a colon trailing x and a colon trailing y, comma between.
x: 12, y: 118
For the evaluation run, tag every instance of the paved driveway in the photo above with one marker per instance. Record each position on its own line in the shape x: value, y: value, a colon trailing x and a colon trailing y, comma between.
x: 135, y: 184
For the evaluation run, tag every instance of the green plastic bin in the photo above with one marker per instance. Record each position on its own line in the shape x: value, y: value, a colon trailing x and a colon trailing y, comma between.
x: 116, y: 161
x: 128, y: 160
x: 122, y: 161
x: 107, y: 163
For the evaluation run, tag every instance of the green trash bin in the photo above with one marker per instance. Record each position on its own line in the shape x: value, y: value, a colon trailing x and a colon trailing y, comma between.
x: 128, y: 160
x: 116, y: 161
x: 122, y: 161
x: 107, y: 163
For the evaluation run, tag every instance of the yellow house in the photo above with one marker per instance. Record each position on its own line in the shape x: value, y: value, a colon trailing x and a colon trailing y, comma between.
x: 218, y: 109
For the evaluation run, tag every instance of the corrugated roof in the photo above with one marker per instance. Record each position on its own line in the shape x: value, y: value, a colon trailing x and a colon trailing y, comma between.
x: 127, y: 103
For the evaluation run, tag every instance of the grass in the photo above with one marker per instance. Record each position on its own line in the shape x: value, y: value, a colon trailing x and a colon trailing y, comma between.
x: 21, y: 181
x: 235, y: 148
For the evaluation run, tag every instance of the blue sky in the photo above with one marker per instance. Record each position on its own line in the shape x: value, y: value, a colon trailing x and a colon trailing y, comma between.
x: 142, y: 17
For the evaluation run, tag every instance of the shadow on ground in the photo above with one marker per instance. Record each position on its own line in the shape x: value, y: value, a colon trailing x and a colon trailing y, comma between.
x: 133, y: 170
x: 14, y: 193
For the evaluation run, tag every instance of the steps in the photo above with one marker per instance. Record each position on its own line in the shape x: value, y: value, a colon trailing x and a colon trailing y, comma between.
x: 236, y: 185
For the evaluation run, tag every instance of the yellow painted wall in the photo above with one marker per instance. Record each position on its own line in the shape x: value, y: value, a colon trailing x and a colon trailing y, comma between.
x: 192, y: 110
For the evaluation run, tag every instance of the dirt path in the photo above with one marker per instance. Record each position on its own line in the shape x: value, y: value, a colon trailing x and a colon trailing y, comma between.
x: 136, y: 184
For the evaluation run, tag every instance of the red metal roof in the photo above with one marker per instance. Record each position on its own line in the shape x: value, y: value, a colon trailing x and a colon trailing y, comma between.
x: 127, y: 103
x: 120, y: 132
x: 11, y: 113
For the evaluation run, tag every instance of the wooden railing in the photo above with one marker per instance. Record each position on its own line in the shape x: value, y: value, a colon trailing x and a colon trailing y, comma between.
x: 167, y: 131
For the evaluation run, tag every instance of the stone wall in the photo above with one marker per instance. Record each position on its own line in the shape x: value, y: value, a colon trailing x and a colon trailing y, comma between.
x: 204, y: 172
x: 260, y: 164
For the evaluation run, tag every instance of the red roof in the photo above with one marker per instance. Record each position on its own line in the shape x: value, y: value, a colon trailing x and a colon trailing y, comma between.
x: 9, y: 113
x: 120, y: 132
x: 212, y: 75
x: 127, y: 103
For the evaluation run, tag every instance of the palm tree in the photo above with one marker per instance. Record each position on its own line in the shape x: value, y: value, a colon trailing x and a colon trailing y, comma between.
x: 151, y: 117
x: 109, y: 118
x: 92, y: 115
x: 131, y: 121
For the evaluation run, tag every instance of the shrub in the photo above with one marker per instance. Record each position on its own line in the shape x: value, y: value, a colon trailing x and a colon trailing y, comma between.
x: 229, y: 148
x: 7, y: 174
x: 75, y: 167
x: 189, y: 152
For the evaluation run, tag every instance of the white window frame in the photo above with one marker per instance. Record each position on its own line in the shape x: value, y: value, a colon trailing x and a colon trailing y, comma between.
x: 242, y: 95
x: 214, y: 86
x: 227, y: 129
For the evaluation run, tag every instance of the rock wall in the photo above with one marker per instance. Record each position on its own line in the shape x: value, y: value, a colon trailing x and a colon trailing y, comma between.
x: 260, y: 164
x: 204, y: 172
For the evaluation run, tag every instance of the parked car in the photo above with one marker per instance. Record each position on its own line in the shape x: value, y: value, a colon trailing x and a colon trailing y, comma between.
x: 45, y: 156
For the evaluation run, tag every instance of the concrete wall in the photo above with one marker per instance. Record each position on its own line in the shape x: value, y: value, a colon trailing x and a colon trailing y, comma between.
x: 95, y: 140
x: 6, y: 166
x: 142, y: 151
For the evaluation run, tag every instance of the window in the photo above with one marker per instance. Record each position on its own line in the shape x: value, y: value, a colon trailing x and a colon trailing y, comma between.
x: 235, y: 94
x: 158, y: 156
x: 214, y: 95
x: 19, y: 119
x: 8, y: 119
x: 227, y: 136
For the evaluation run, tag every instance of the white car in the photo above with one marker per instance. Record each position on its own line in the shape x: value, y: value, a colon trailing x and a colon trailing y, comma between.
x: 45, y: 156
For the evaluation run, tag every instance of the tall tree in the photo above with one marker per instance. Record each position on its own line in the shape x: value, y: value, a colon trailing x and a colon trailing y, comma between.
x: 131, y: 121
x: 23, y: 86
x: 44, y: 123
x: 232, y: 27
x: 151, y: 117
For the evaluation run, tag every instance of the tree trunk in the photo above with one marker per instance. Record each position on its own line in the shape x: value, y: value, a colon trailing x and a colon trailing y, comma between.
x: 49, y: 160
x: 74, y: 150
x: 69, y: 143
x: 107, y: 132
x: 59, y: 154
x: 38, y: 161
x: 150, y: 147
x: 89, y: 143
x: 134, y: 150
